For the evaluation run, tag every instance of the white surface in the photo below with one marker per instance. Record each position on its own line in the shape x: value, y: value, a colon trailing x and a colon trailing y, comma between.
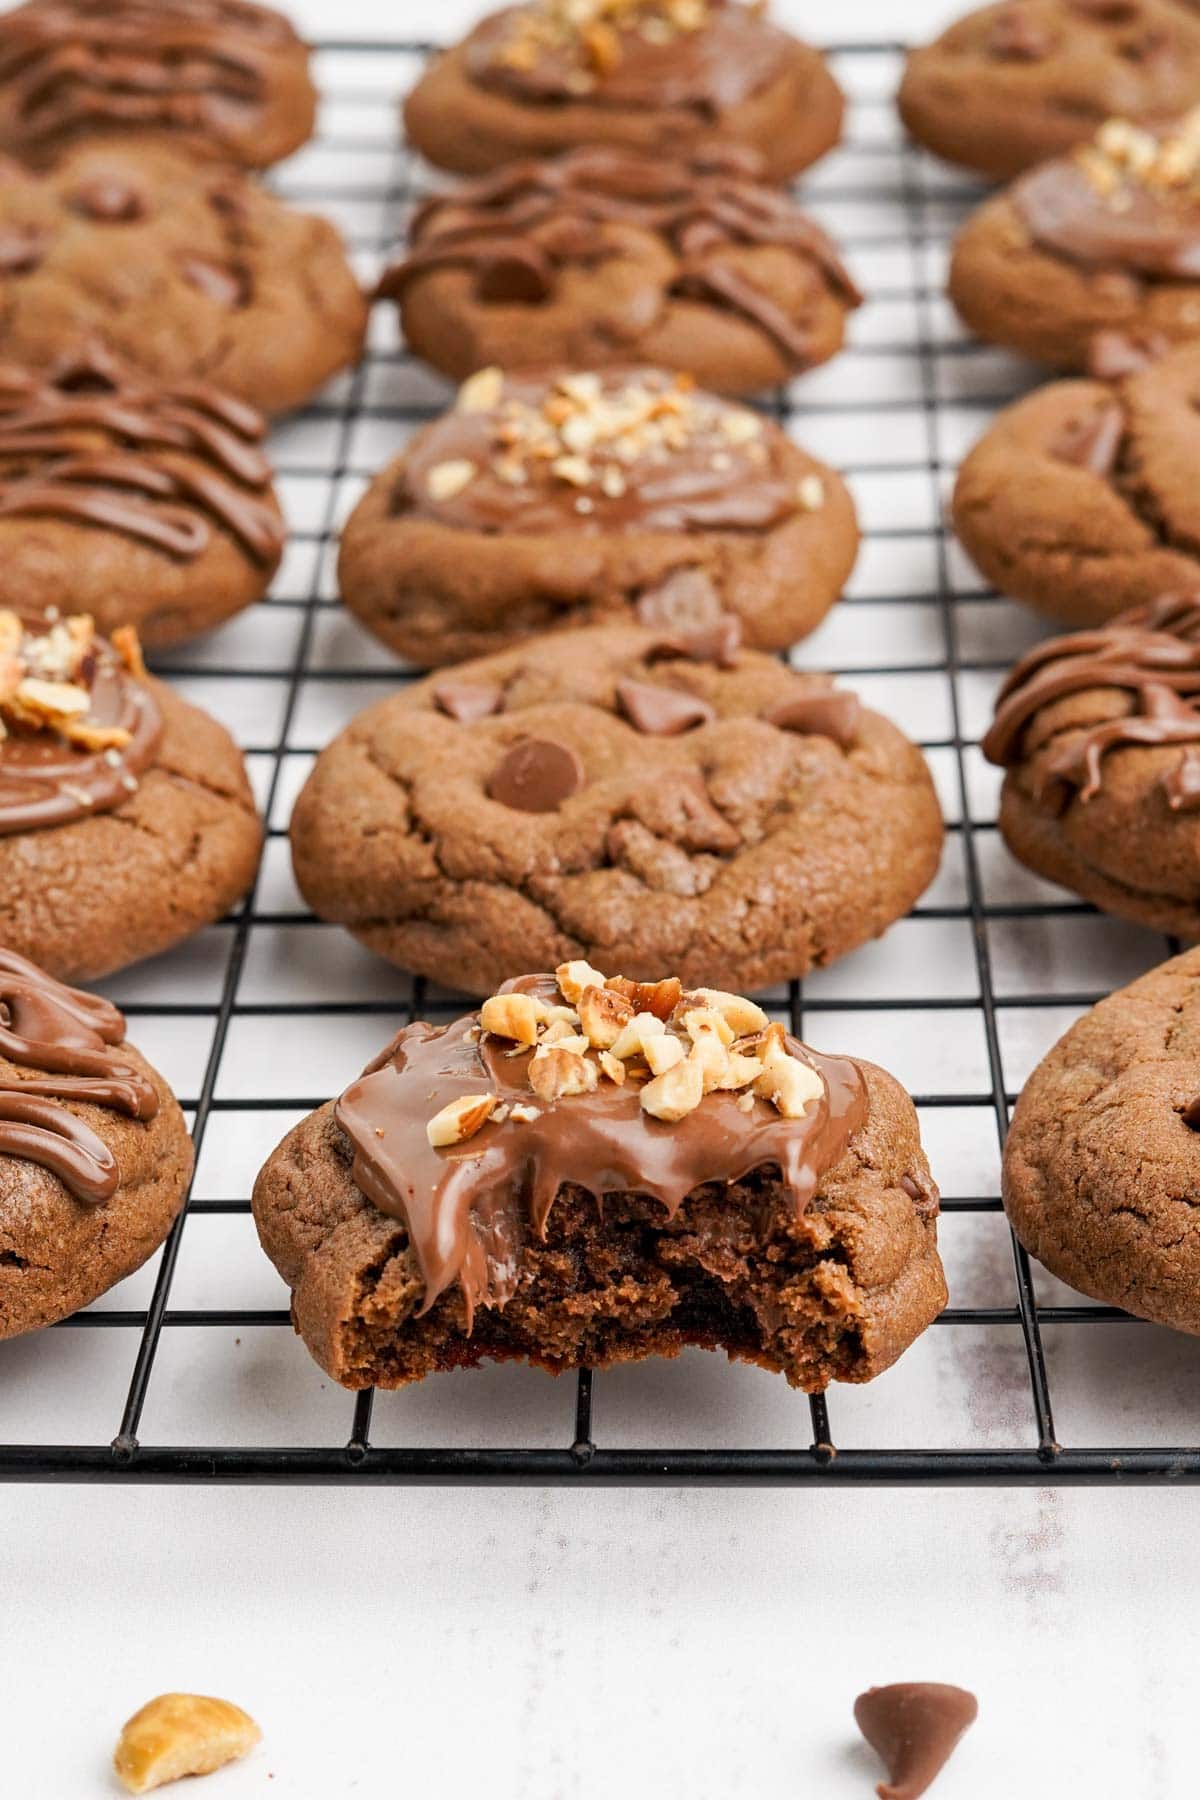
x: 551, y: 1645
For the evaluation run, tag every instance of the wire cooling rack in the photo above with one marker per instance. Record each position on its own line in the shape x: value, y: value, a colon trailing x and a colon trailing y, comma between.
x: 189, y: 1371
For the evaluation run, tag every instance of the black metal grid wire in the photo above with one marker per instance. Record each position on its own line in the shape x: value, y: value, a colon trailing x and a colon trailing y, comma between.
x: 919, y: 225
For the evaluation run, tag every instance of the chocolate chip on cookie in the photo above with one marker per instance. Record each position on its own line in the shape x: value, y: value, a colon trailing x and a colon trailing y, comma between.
x: 720, y: 1183
x: 662, y: 76
x: 183, y: 269
x: 619, y: 798
x: 94, y: 1153
x: 1105, y: 240
x: 135, y: 503
x: 220, y: 78
x: 1099, y: 737
x: 126, y: 819
x: 543, y: 501
x: 1081, y: 498
x: 609, y: 256
x: 1012, y: 85
x: 1101, y: 1165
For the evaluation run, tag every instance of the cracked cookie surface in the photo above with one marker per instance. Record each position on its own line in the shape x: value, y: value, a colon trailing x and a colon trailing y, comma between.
x: 1081, y: 498
x: 549, y: 502
x: 184, y: 270
x: 1100, y: 1171
x: 728, y: 76
x: 1011, y: 85
x: 740, y: 824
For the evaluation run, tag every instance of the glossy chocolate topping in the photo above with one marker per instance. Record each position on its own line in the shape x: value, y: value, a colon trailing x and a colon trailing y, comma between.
x: 519, y: 229
x: 77, y: 68
x: 48, y: 777
x: 643, y: 61
x: 1150, y: 657
x: 660, y: 457
x: 90, y: 442
x: 914, y: 1725
x: 468, y: 1209
x: 1152, y: 231
x: 68, y: 1036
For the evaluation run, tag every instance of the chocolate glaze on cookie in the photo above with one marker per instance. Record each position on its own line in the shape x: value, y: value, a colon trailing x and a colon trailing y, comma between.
x: 468, y: 1210
x: 77, y: 725
x: 1154, y: 231
x: 224, y: 77
x: 522, y: 231
x: 47, y: 1026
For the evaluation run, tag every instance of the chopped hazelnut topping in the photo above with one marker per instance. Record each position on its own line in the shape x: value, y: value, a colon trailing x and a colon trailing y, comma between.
x: 594, y: 33
x: 448, y: 479
x: 45, y: 680
x: 1123, y: 156
x: 672, y: 1047
x: 181, y: 1734
x: 811, y: 493
x: 482, y: 392
x: 460, y: 1120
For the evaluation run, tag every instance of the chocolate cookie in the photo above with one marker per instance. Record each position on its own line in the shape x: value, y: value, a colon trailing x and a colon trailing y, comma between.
x: 135, y: 503
x: 1099, y: 735
x: 1105, y: 240
x: 95, y: 1157
x: 183, y: 269
x: 623, y: 794
x: 1100, y: 1169
x: 1010, y: 86
x: 589, y: 1172
x: 546, y: 501
x: 1081, y: 499
x: 607, y: 256
x: 219, y: 78
x: 126, y: 819
x: 663, y: 76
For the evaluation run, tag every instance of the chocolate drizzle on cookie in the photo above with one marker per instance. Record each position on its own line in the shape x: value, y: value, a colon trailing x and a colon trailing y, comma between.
x: 78, y: 724
x: 1151, y: 657
x: 68, y: 1037
x: 92, y: 443
x: 537, y: 1091
x: 1129, y: 201
x: 77, y: 68
x: 518, y: 229
x: 698, y: 55
x: 626, y: 449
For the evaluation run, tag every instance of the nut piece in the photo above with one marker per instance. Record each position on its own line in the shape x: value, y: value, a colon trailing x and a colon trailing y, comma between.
x: 181, y: 1734
x: 613, y: 1067
x: 447, y: 479
x: 706, y: 1021
x: 662, y: 1053
x: 482, y: 392
x: 637, y: 1034
x: 741, y: 1015
x: 460, y: 1120
x: 791, y: 1085
x: 558, y: 1073
x: 657, y: 997
x: 514, y: 1016
x: 573, y: 977
x: 673, y: 1095
x: 603, y: 1015
x: 740, y: 1071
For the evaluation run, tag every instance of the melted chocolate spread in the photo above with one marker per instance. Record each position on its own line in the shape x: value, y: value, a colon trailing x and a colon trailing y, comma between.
x: 44, y: 780
x: 468, y: 1210
x: 79, y: 67
x: 735, y: 54
x: 1152, y: 654
x: 89, y: 442
x: 69, y: 1036
x: 519, y: 228
x: 1153, y: 233
x: 685, y: 491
